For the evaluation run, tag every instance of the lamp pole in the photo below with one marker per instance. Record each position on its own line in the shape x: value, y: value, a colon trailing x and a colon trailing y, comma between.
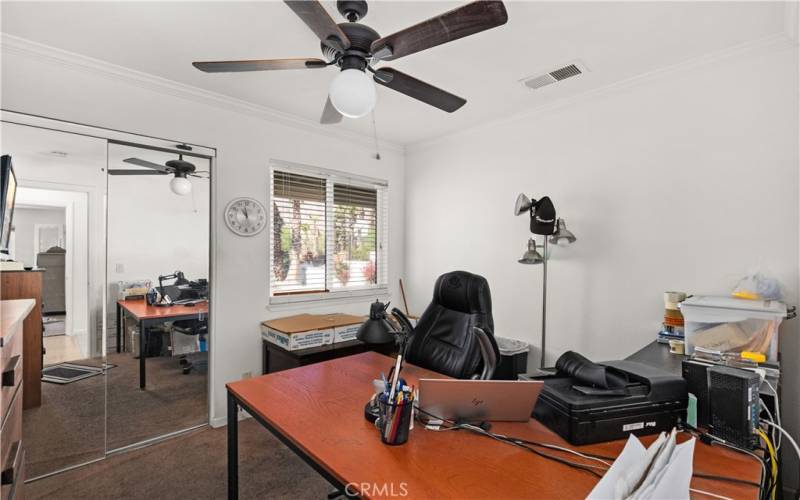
x: 544, y: 302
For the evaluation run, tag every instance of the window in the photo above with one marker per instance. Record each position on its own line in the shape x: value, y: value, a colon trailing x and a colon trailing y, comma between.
x: 328, y: 234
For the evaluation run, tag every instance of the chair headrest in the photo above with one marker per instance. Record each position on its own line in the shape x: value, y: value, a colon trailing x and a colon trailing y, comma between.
x: 464, y: 292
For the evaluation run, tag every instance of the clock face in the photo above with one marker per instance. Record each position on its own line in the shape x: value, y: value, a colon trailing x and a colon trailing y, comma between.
x: 245, y: 216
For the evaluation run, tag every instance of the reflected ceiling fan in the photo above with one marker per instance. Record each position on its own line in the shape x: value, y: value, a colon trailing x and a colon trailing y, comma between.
x: 355, y: 48
x: 180, y: 168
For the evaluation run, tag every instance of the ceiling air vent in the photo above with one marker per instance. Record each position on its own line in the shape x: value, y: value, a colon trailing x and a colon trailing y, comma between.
x: 537, y: 82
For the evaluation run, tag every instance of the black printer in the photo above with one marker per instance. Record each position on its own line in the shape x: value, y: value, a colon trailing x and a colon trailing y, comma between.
x: 586, y: 402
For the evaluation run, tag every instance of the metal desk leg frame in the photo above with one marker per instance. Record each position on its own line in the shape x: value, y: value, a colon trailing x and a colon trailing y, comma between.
x: 144, y: 333
x: 233, y: 447
x: 119, y: 328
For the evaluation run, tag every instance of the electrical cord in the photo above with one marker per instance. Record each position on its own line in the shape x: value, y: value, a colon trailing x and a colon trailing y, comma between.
x: 793, y: 443
x: 773, y: 460
x: 765, y: 484
x: 478, y: 430
x: 520, y: 442
x: 777, y: 410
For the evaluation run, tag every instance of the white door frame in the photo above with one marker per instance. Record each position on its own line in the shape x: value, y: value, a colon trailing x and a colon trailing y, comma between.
x: 78, y: 202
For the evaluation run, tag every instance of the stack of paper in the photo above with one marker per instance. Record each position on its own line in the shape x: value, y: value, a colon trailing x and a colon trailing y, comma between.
x: 663, y: 470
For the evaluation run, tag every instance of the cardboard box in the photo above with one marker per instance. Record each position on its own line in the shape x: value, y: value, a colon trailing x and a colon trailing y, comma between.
x: 345, y: 333
x: 303, y: 331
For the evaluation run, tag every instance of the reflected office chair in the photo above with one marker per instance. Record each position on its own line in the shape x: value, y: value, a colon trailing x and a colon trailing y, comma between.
x: 199, y: 360
x: 455, y: 334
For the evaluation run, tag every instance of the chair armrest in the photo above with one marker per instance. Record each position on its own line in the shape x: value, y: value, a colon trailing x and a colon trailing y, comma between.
x: 487, y: 353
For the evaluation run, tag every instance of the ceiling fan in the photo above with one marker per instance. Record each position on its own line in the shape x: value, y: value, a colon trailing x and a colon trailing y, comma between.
x: 180, y: 168
x: 355, y: 48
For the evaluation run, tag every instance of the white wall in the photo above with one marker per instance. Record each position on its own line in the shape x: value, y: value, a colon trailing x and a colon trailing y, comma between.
x: 685, y: 182
x: 24, y: 221
x: 90, y: 92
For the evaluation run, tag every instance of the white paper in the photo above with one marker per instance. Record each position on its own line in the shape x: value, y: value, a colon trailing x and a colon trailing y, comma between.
x: 668, y: 478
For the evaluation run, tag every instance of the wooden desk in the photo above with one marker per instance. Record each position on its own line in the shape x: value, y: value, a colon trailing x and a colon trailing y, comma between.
x: 28, y: 285
x: 318, y: 411
x: 148, y: 316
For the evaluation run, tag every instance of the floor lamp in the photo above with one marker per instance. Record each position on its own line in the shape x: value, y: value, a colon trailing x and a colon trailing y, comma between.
x: 545, y: 223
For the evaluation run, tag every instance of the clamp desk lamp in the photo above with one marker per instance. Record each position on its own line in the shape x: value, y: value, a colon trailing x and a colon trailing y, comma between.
x: 179, y: 278
x: 378, y: 330
x: 543, y: 222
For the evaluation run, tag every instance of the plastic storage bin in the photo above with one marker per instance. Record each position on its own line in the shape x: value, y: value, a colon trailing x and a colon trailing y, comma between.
x: 732, y: 325
x: 513, y: 358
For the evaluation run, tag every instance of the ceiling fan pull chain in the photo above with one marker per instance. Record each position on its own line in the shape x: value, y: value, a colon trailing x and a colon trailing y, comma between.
x: 375, y: 136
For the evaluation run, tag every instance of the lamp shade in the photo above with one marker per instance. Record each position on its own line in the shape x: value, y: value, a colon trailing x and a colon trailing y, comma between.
x: 522, y: 205
x: 531, y: 256
x: 376, y: 330
x: 352, y: 93
x: 563, y: 236
x: 180, y: 185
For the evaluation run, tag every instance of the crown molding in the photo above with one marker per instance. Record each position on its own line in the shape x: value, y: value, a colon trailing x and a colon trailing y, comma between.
x: 11, y: 44
x: 775, y: 42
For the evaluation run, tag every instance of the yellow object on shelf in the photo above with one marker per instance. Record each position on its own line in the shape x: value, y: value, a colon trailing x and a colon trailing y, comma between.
x: 754, y: 356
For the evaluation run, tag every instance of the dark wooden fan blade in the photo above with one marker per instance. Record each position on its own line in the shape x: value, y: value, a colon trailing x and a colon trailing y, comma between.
x: 457, y: 23
x: 148, y: 164
x: 258, y: 65
x: 317, y: 18
x: 122, y: 171
x: 419, y: 90
x: 330, y: 115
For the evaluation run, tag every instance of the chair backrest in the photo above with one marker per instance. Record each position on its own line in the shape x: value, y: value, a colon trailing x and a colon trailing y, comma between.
x: 445, y: 339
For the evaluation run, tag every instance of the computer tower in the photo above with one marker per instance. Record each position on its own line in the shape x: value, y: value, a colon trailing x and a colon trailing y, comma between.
x: 696, y: 376
x: 734, y: 405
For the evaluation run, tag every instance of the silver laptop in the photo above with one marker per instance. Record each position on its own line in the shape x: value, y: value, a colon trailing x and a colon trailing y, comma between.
x: 478, y: 400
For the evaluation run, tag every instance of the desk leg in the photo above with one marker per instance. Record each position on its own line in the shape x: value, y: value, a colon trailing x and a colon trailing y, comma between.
x: 233, y: 448
x: 142, y: 355
x: 119, y: 328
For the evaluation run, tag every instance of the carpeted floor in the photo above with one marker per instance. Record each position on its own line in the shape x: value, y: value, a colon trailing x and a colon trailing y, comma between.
x: 190, y: 466
x: 70, y: 425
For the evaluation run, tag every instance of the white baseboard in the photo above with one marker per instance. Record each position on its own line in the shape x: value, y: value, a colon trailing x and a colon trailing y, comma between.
x: 223, y: 421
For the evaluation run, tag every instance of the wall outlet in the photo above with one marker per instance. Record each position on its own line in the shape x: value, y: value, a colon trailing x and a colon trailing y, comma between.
x: 120, y: 268
x: 247, y: 375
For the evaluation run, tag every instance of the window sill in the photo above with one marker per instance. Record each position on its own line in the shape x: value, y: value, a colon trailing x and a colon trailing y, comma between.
x: 345, y: 296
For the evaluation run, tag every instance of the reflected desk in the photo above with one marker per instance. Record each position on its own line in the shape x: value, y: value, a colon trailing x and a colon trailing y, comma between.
x: 318, y: 412
x: 148, y: 316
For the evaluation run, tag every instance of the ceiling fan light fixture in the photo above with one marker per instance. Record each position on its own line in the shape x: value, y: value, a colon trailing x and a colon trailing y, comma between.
x: 352, y: 93
x: 180, y: 185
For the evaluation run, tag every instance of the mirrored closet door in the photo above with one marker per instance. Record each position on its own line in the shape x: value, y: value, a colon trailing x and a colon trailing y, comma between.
x: 59, y: 237
x: 158, y: 239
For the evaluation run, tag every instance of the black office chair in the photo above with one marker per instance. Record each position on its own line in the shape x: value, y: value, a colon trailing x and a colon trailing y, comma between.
x: 192, y: 327
x: 455, y: 334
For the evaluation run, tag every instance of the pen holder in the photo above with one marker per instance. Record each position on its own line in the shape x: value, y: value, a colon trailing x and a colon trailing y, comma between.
x: 394, y: 421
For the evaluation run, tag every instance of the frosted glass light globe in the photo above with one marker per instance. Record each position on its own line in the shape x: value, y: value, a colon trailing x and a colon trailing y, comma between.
x: 180, y: 186
x: 352, y: 93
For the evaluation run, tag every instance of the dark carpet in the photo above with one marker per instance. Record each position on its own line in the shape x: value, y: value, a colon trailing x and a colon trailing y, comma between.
x: 70, y: 426
x: 191, y: 466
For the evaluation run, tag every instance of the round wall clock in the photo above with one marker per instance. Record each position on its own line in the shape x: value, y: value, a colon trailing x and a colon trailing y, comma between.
x: 245, y: 216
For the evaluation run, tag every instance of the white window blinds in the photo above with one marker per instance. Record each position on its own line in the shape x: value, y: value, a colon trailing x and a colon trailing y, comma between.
x: 329, y: 233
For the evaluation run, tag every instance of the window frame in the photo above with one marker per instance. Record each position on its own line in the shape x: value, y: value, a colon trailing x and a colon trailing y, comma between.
x: 379, y: 290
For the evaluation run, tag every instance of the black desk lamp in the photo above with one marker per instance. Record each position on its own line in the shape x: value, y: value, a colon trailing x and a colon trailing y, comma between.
x: 378, y: 330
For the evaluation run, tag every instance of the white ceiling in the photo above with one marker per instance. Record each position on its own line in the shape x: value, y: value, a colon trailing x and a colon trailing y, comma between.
x: 615, y: 40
